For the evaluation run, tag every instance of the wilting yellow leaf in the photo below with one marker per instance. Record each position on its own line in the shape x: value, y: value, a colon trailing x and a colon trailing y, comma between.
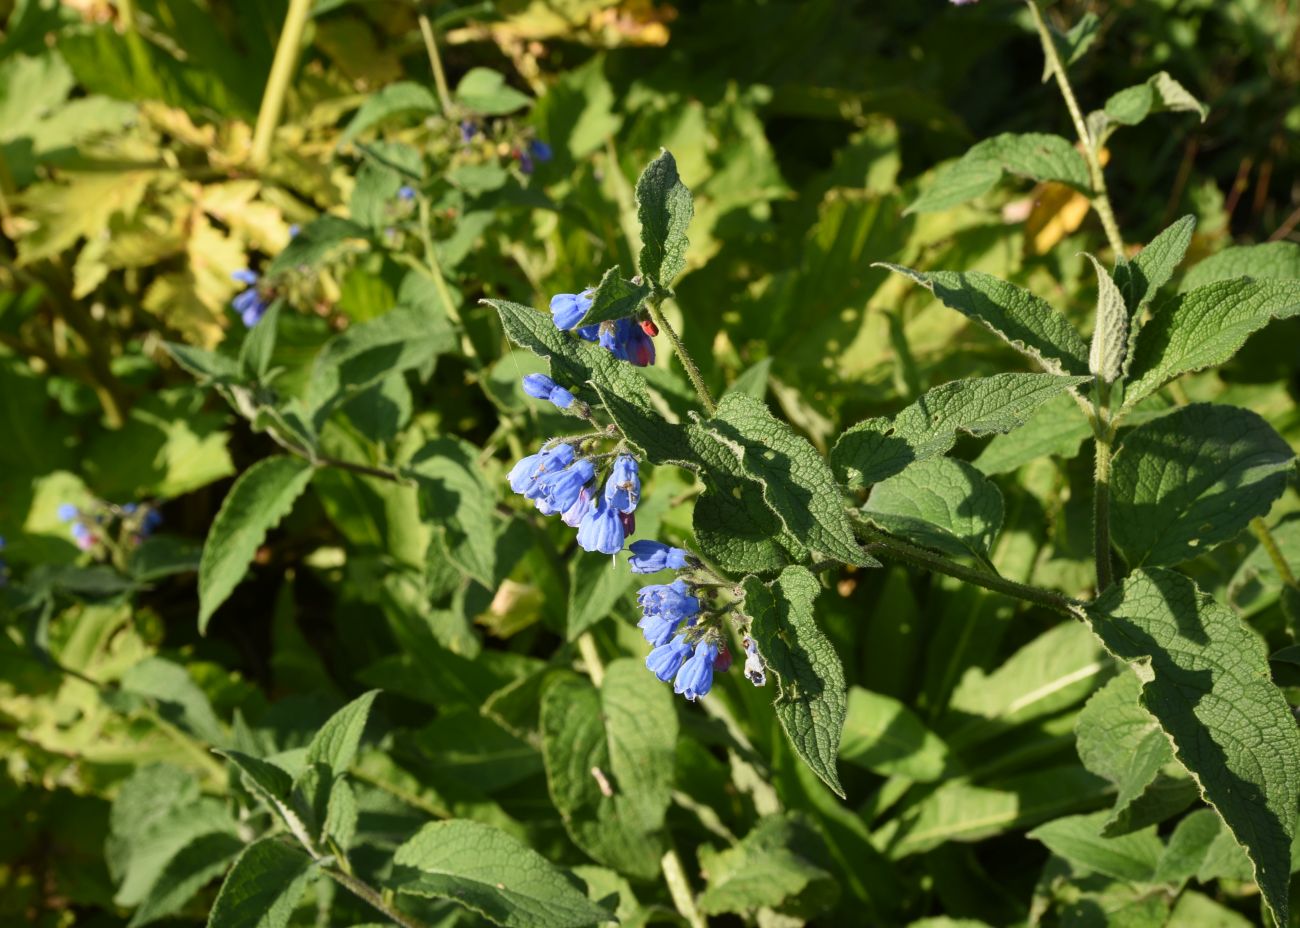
x: 234, y: 204
x: 193, y: 301
x: 1058, y: 211
x: 80, y: 206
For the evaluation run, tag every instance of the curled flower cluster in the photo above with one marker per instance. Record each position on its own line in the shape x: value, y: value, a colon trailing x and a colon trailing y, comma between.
x: 252, y: 302
x: 627, y: 339
x: 558, y: 480
x: 89, y: 528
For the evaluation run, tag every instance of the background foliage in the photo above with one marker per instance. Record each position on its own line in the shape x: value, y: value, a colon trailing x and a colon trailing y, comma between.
x: 989, y: 746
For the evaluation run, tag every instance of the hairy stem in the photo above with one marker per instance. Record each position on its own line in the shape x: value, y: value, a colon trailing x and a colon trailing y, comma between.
x: 1259, y: 528
x: 277, y: 84
x: 1101, y: 199
x: 692, y: 370
x: 1103, y: 450
x: 371, y: 896
x: 591, y: 658
x: 383, y: 473
x: 435, y: 62
x: 898, y: 549
x: 679, y: 887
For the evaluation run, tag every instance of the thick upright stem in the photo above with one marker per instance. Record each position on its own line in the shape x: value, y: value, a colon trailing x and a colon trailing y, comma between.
x: 277, y: 84
x: 679, y: 887
x: 1259, y: 528
x: 1101, y: 508
x: 692, y: 371
x: 1101, y: 199
x: 435, y: 62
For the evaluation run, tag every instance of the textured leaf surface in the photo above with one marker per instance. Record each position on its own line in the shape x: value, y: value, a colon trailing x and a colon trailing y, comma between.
x: 876, y: 449
x: 1035, y: 155
x: 335, y: 745
x: 263, y: 887
x: 665, y: 208
x: 492, y: 873
x: 797, y: 484
x: 1160, y: 93
x: 193, y: 867
x: 1203, y: 328
x: 1026, y: 322
x: 1057, y: 429
x: 1189, y: 480
x: 1267, y: 261
x: 811, y: 700
x: 941, y: 503
x: 627, y: 731
x: 767, y: 868
x: 458, y: 500
x: 399, y: 98
x: 1205, y: 678
x: 1151, y: 268
x: 1110, y: 328
x: 885, y: 736
x: 1079, y: 839
x: 259, y: 499
x: 614, y: 298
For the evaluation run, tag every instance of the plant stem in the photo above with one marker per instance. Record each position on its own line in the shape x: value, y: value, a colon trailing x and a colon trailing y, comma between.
x: 692, y: 371
x: 679, y: 887
x: 277, y: 83
x: 1101, y: 507
x: 1259, y: 528
x: 435, y: 62
x: 367, y: 893
x: 591, y: 658
x: 905, y: 551
x: 1101, y: 199
x: 383, y: 473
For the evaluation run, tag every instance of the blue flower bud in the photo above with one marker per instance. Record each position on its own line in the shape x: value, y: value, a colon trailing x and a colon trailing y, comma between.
x: 294, y: 230
x: 665, y: 660
x: 246, y: 277
x: 561, y: 397
x: 152, y: 520
x: 649, y: 557
x: 540, y: 150
x: 81, y: 531
x: 573, y: 515
x: 672, y: 600
x: 67, y: 512
x: 538, y: 386
x: 601, y: 530
x: 521, y: 475
x: 657, y: 629
x: 467, y: 130
x: 567, y: 309
x: 251, y: 304
x: 589, y: 332
x: 623, y: 488
x: 406, y: 193
x: 695, y: 678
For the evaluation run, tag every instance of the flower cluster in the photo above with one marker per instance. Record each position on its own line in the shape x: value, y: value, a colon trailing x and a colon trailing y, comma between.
x: 252, y: 302
x: 558, y: 480
x: 90, y: 528
x: 627, y: 339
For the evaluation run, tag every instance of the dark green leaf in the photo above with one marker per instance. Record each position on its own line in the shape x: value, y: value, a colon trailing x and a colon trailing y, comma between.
x: 940, y: 503
x: 335, y: 745
x: 1035, y: 155
x: 665, y: 208
x: 401, y: 98
x: 615, y: 298
x: 263, y: 887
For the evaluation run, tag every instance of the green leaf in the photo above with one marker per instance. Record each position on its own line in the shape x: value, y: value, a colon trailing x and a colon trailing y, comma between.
x: 664, y: 208
x: 614, y: 298
x: 178, y: 698
x: 886, y: 737
x: 369, y: 352
x: 1268, y: 261
x: 193, y: 867
x: 1204, y: 328
x: 458, y: 500
x: 1205, y: 678
x: 263, y: 887
x: 941, y: 503
x: 335, y: 745
x: 1027, y: 323
x: 493, y: 874
x: 797, y: 484
x: 486, y: 92
x: 207, y: 366
x: 1073, y: 45
x: 768, y: 868
x: 1160, y: 93
x: 1140, y: 277
x: 400, y: 99
x: 752, y: 381
x: 1188, y: 846
x: 1192, y: 479
x: 260, y: 498
x: 259, y: 345
x: 627, y: 731
x: 1079, y: 839
x: 876, y: 449
x: 811, y: 700
x: 314, y: 243
x: 1110, y: 328
x: 1035, y: 155
x: 1056, y: 429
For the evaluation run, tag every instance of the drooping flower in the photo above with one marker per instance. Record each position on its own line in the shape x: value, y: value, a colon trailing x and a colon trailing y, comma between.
x: 67, y: 512
x: 695, y: 678
x: 627, y: 341
x: 521, y: 475
x: 665, y: 660
x: 538, y: 386
x: 600, y: 529
x: 572, y: 516
x: 670, y: 600
x: 567, y: 309
x: 649, y: 557
x: 562, y: 397
x: 561, y: 489
x: 623, y: 488
x: 251, y: 303
x: 524, y: 474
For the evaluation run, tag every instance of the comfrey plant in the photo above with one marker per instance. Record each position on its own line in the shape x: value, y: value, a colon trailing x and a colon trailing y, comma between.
x: 1170, y: 481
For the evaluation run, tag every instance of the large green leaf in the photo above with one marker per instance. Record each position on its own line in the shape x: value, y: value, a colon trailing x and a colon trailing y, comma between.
x: 179, y: 700
x: 883, y: 735
x: 627, y: 731
x: 1079, y: 839
x: 461, y: 504
x: 335, y: 744
x: 260, y: 498
x: 485, y: 91
x: 263, y: 887
x: 1026, y: 322
x: 1205, y: 678
x: 196, y: 865
x: 941, y: 503
x: 1266, y: 261
x: 1189, y: 480
x: 403, y: 98
x: 768, y: 868
x: 1035, y: 155
x: 614, y: 298
x: 1203, y: 328
x: 665, y: 208
x: 876, y: 449
x: 811, y: 700
x: 1057, y: 429
x: 1160, y: 93
x: 492, y: 873
x: 1141, y: 277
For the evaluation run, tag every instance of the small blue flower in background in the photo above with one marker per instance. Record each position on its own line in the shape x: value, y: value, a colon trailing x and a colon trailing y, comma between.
x: 250, y: 303
x: 623, y: 488
x: 540, y: 150
x: 601, y: 529
x: 665, y: 660
x: 467, y: 130
x: 567, y: 309
x: 695, y: 678
x: 67, y: 512
x: 152, y: 521
x: 525, y: 161
x: 83, y: 536
x: 406, y: 193
x: 541, y: 387
x: 294, y: 230
x: 650, y: 557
